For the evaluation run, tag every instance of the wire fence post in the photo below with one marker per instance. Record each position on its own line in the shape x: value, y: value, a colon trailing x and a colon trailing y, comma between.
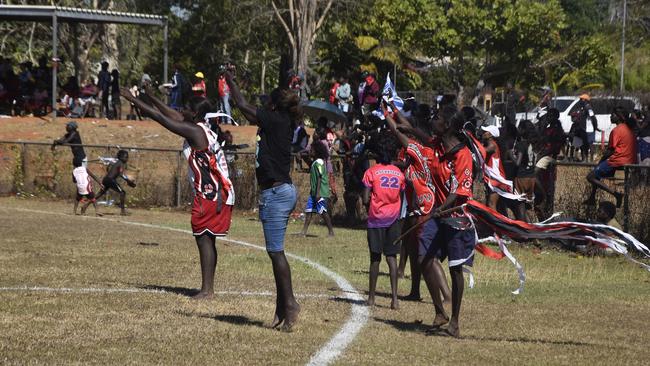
x: 23, y: 161
x: 626, y: 199
x: 178, y: 179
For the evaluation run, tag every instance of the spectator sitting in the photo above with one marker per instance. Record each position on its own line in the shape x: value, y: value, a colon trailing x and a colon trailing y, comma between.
x: 620, y: 151
x: 87, y: 98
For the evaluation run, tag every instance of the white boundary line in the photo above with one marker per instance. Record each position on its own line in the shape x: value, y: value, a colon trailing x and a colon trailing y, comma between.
x: 336, y: 345
x: 113, y: 290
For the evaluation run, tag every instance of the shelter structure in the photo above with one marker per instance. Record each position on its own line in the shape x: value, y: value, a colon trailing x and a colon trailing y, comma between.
x: 74, y: 16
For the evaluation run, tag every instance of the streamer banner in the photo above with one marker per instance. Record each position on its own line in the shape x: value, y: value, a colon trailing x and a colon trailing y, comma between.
x: 602, y: 235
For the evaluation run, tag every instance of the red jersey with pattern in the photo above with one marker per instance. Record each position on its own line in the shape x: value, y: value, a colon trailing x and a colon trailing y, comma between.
x: 420, y: 193
x: 451, y: 174
x: 206, y: 167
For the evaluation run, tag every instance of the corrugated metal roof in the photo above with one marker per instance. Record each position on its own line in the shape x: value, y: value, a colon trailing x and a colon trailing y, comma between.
x: 76, y: 15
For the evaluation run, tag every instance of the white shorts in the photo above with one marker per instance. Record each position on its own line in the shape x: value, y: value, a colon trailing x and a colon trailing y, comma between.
x: 82, y: 180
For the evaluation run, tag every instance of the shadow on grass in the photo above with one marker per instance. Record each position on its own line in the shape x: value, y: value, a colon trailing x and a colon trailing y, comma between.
x: 365, y: 272
x: 349, y: 301
x: 171, y: 289
x: 420, y: 327
x: 414, y: 326
x: 527, y: 340
x: 231, y: 319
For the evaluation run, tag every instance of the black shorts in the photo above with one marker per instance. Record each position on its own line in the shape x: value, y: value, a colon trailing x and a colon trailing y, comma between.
x: 90, y: 196
x: 380, y: 240
x: 109, y: 183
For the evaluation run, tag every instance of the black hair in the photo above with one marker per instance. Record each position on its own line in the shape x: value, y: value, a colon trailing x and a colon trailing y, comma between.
x: 122, y: 153
x: 200, y: 106
x: 608, y: 207
x: 385, y: 147
x: 288, y: 102
x: 320, y: 133
x: 421, y: 116
x: 553, y: 114
x: 320, y: 150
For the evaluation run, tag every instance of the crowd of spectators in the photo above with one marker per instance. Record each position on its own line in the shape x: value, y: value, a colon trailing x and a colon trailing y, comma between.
x: 27, y: 90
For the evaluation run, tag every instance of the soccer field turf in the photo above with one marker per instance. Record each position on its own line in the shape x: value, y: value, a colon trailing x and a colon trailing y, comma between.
x: 83, y: 290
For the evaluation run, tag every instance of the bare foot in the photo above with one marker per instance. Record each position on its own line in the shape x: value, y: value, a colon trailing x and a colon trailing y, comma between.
x: 440, y: 320
x: 330, y: 235
x: 277, y: 320
x: 292, y: 318
x: 452, y: 331
x: 370, y: 301
x: 394, y: 304
x: 125, y: 213
x: 99, y: 214
x: 203, y: 296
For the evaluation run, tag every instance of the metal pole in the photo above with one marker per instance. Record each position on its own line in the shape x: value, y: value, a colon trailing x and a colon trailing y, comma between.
x: 54, y: 64
x: 166, y: 50
x: 23, y: 163
x: 623, y: 46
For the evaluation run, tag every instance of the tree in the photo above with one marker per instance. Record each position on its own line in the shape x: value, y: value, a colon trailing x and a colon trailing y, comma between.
x: 301, y: 21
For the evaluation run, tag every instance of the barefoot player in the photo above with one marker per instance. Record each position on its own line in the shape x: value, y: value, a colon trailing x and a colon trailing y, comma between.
x: 214, y: 195
x: 384, y: 184
x: 276, y: 123
x: 115, y: 171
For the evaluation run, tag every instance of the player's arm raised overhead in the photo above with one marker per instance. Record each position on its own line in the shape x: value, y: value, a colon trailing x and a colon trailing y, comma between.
x: 249, y: 111
x: 162, y: 107
x: 192, y: 132
x: 403, y: 140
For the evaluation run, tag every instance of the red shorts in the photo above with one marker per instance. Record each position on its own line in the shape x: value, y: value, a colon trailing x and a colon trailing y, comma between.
x: 206, y: 219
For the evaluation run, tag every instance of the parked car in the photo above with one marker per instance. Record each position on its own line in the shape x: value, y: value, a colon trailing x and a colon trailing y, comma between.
x: 602, y: 107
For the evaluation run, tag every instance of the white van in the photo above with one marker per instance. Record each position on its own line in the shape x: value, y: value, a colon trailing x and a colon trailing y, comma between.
x: 601, y: 105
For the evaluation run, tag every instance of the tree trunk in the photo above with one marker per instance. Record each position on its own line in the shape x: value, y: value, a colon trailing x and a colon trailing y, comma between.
x: 111, y: 53
x: 302, y: 28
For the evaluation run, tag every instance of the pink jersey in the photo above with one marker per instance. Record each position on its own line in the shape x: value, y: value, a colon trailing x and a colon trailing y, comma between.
x: 386, y: 183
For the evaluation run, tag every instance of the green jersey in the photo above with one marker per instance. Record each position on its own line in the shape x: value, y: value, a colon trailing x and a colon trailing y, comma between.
x: 318, y: 172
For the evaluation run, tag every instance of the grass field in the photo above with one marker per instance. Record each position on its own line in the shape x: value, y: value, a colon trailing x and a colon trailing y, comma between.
x: 573, y: 311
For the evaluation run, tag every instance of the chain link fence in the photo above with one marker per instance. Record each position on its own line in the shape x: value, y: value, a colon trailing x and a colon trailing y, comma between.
x: 161, y: 176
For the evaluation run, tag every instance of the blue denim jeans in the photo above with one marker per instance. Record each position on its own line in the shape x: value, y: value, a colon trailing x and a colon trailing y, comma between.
x: 225, y: 104
x: 275, y: 207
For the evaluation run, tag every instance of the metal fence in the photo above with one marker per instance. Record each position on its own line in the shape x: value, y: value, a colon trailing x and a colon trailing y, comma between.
x: 161, y: 174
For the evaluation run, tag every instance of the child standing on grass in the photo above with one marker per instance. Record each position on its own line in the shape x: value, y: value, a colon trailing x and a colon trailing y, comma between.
x: 319, y: 194
x: 384, y: 184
